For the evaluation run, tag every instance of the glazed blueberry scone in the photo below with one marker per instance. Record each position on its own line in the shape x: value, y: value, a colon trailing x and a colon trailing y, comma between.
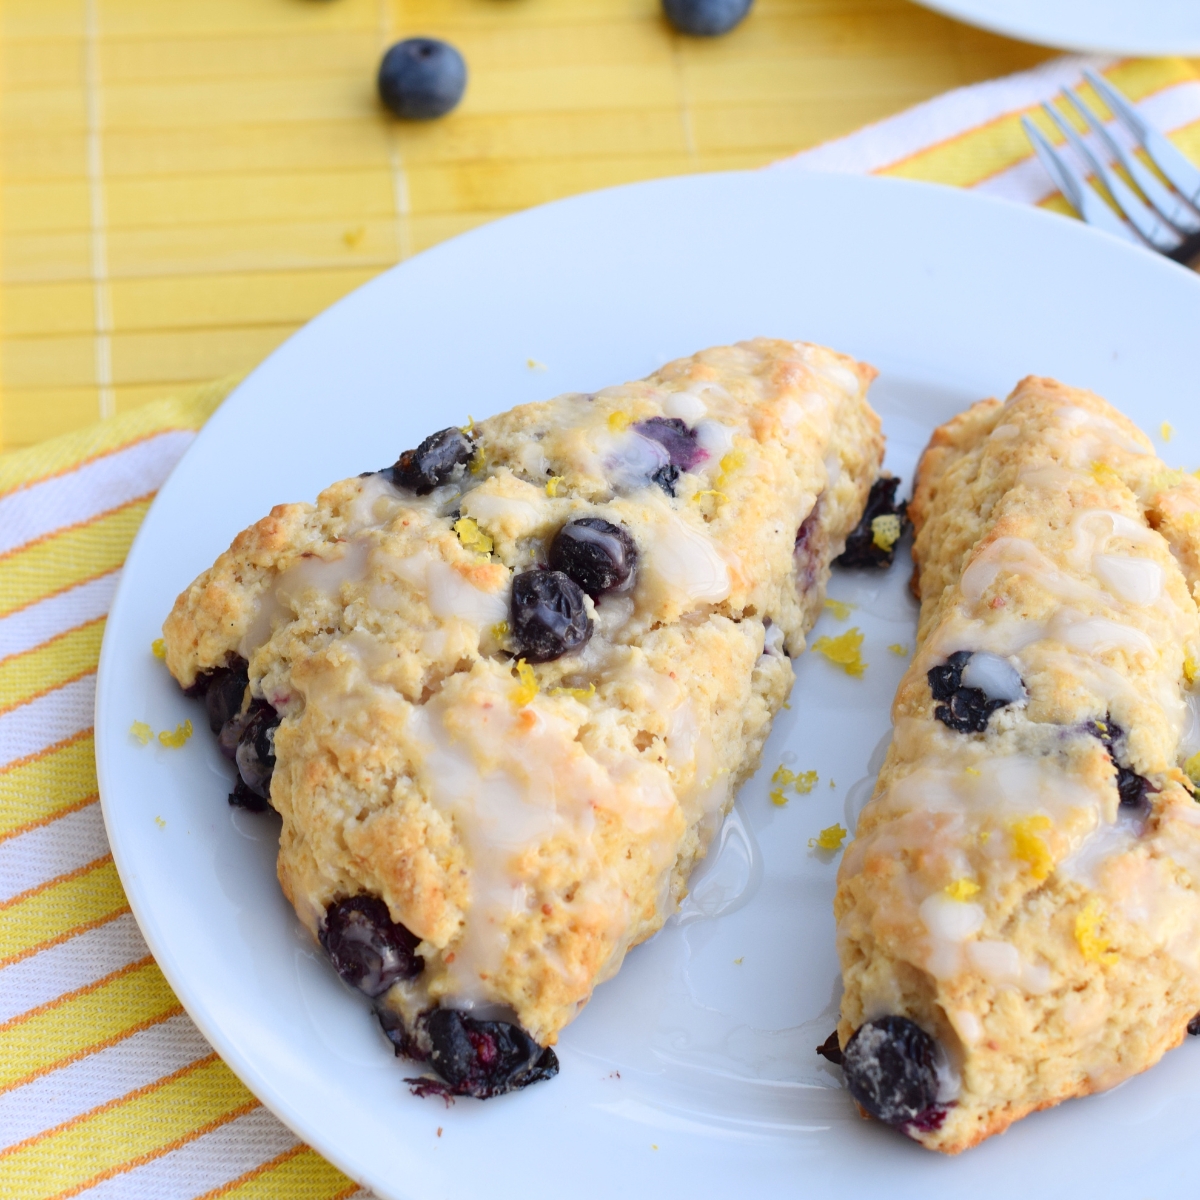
x: 1018, y: 917
x: 502, y: 693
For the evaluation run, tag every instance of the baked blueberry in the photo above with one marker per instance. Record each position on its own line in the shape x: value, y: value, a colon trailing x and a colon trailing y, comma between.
x: 548, y: 615
x: 705, y: 18
x: 225, y: 692
x: 434, y: 461
x: 482, y: 1058
x: 675, y: 438
x: 1133, y: 789
x: 1193, y: 1026
x: 596, y: 554
x: 967, y: 709
x: 421, y: 78
x: 666, y: 478
x: 861, y: 548
x: 243, y: 797
x: 891, y: 1069
x: 255, y: 754
x: 368, y: 949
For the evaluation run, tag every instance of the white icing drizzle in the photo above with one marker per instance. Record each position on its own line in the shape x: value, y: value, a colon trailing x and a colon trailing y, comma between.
x: 510, y: 778
x: 685, y: 560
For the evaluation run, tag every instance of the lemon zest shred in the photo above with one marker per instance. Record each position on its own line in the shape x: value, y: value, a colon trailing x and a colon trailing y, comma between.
x: 469, y: 427
x: 528, y: 687
x: 160, y: 822
x: 1167, y: 430
x: 777, y: 797
x: 579, y: 693
x: 534, y: 365
x: 174, y: 739
x: 552, y: 485
x: 141, y: 731
x: 1191, y: 768
x: 1093, y: 945
x: 471, y: 536
x: 720, y: 496
x: 802, y: 781
x: 971, y: 771
x: 828, y: 839
x: 158, y: 647
x: 840, y: 608
x: 500, y: 630
x: 1190, y: 669
x: 1030, y: 848
x: 899, y: 649
x: 618, y: 421
x: 885, y: 531
x: 1101, y: 472
x: 844, y: 651
x: 478, y: 462
x: 961, y: 889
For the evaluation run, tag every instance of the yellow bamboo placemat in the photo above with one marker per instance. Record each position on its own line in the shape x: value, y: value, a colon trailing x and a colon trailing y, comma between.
x: 183, y: 183
x: 106, y: 1090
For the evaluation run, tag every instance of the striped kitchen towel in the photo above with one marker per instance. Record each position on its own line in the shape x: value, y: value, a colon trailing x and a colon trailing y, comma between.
x: 106, y: 1088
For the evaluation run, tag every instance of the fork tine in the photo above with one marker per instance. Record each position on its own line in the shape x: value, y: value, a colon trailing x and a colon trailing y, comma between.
x: 1160, y: 235
x: 1083, y: 197
x: 1169, y: 206
x: 1181, y: 173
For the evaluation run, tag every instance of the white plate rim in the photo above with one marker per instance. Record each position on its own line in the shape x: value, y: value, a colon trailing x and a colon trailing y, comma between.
x: 1044, y: 30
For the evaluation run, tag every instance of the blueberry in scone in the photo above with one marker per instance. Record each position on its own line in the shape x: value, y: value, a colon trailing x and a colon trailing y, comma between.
x: 502, y: 693
x: 1019, y: 912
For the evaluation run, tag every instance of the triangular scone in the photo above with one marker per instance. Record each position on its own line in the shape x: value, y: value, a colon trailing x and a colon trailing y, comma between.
x: 521, y: 676
x: 1019, y: 914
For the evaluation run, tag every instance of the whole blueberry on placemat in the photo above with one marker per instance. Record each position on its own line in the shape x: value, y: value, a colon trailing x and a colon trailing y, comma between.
x: 421, y: 78
x: 705, y: 18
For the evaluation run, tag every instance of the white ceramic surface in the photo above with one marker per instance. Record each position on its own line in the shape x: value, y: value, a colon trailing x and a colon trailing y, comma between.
x: 692, y: 1074
x: 1100, y: 26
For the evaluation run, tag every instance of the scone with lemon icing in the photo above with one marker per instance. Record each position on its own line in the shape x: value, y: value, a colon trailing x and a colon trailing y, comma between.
x: 502, y: 693
x: 1018, y: 916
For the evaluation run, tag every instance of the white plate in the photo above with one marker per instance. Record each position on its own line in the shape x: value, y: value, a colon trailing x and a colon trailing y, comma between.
x: 1099, y: 26
x: 693, y: 1072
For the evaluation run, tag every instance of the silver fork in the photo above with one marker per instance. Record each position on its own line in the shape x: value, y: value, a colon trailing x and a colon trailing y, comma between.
x: 1166, y: 219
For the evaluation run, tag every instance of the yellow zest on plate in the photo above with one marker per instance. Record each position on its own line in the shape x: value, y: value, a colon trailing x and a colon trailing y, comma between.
x: 844, y: 651
x: 885, y: 531
x: 1030, y: 848
x: 173, y: 739
x: 828, y: 839
x: 471, y: 536
x: 160, y: 822
x: 899, y: 649
x: 961, y: 889
x: 534, y: 365
x: 528, y: 686
x: 1167, y: 430
x: 1093, y: 945
x: 158, y: 647
x: 552, y: 485
x: 141, y: 731
x: 840, y: 608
